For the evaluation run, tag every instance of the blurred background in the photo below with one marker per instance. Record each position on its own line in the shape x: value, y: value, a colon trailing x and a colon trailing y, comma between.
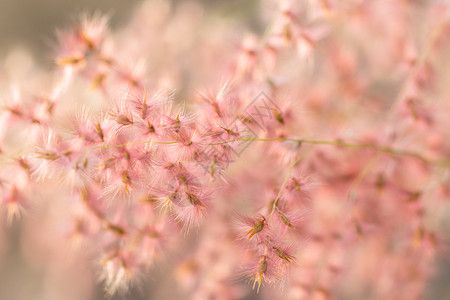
x: 32, y: 24
x: 29, y: 25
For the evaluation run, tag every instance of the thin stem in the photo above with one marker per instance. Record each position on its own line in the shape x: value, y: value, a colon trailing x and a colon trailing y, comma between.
x: 288, y: 175
x: 385, y: 149
x: 136, y: 143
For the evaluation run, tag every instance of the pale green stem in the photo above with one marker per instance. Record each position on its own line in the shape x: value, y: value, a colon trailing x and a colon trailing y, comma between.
x: 385, y: 149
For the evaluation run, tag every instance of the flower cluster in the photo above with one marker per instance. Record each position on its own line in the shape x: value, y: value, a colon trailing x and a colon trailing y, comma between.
x: 308, y: 162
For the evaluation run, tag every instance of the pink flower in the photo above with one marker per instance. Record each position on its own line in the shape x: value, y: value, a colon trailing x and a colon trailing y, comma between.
x: 253, y: 230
